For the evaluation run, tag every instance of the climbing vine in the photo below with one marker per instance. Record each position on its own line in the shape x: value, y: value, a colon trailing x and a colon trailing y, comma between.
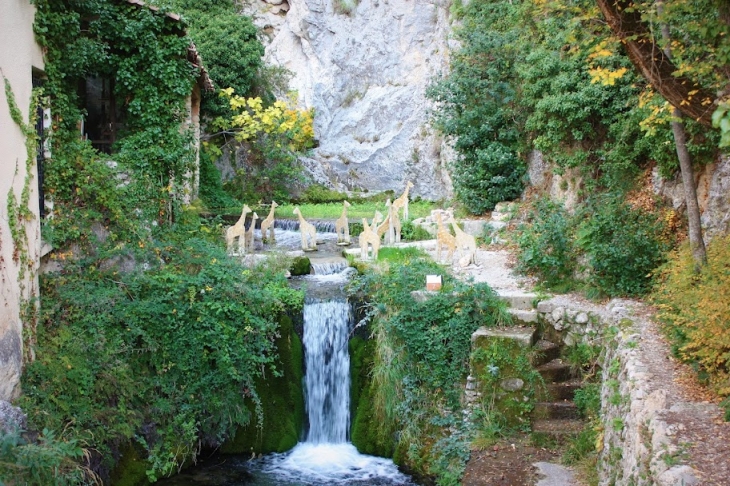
x: 20, y: 214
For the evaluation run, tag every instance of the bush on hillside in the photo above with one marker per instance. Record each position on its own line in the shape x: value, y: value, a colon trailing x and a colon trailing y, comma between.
x: 695, y: 311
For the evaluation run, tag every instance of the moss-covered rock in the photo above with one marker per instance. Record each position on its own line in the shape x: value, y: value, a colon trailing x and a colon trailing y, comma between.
x: 364, y: 433
x: 300, y: 266
x: 502, y: 366
x: 131, y: 469
x: 282, y: 400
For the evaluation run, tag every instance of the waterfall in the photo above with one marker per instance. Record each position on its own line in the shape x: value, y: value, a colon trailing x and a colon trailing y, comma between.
x: 325, y: 226
x: 326, y: 329
x: 329, y: 268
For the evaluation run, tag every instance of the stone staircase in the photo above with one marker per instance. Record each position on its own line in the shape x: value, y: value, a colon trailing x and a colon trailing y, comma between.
x: 555, y: 414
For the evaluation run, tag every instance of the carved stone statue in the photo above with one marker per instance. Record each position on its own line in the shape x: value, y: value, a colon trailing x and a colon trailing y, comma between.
x: 444, y: 239
x: 466, y: 242
x: 237, y: 231
x: 308, y: 232
x: 342, y: 226
x: 249, y: 248
x: 369, y: 239
x: 268, y: 224
x: 402, y: 202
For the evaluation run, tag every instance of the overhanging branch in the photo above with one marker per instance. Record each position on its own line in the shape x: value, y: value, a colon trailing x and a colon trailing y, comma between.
x: 624, y: 19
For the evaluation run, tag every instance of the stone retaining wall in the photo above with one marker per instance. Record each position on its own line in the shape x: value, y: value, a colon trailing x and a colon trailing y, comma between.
x: 639, y: 447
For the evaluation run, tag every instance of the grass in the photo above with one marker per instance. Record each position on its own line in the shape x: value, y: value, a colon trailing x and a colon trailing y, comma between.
x: 357, y: 211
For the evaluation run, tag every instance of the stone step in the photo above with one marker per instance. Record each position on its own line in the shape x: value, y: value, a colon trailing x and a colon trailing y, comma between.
x: 524, y: 336
x: 563, y: 391
x: 545, y: 351
x: 559, y: 429
x: 506, y: 206
x: 564, y: 410
x: 523, y: 317
x: 518, y: 299
x: 554, y: 371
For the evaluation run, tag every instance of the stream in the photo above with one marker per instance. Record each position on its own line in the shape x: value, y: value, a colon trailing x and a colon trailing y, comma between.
x: 325, y: 456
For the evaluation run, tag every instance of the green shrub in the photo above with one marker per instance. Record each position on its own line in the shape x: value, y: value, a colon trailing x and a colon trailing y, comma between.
x: 318, y: 194
x: 167, y: 356
x: 410, y: 232
x: 546, y: 245
x: 49, y: 460
x: 695, y: 310
x: 623, y: 246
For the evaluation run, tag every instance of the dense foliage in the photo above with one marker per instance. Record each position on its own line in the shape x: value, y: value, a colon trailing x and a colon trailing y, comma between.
x: 144, y: 53
x: 695, y: 310
x: 150, y: 337
x: 164, y: 356
x: 420, y: 359
x: 608, y: 246
x: 550, y: 76
x: 227, y: 42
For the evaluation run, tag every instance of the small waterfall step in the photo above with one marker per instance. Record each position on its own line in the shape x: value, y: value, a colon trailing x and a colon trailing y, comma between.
x: 328, y: 265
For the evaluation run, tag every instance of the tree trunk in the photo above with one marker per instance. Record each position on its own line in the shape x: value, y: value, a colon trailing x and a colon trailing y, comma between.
x: 696, y: 241
x: 624, y: 19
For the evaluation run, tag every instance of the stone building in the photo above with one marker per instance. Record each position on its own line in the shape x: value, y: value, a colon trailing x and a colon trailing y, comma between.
x: 21, y: 247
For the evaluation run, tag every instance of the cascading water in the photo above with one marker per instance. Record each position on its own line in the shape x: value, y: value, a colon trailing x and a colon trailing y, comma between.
x: 326, y: 329
x: 325, y: 456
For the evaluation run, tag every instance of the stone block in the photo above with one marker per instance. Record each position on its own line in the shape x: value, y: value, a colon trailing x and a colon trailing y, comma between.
x: 524, y: 336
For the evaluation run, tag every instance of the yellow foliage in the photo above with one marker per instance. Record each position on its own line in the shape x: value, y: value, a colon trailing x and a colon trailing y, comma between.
x: 606, y: 77
x: 253, y: 120
x: 695, y: 310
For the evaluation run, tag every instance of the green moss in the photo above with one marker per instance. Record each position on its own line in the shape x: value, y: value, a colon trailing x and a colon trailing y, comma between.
x: 282, y: 400
x: 131, y: 470
x: 496, y: 362
x: 300, y: 266
x: 364, y: 434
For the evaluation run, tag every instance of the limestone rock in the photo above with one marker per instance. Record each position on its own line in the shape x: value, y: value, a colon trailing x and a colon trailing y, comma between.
x: 365, y: 73
x: 11, y: 418
x: 512, y: 384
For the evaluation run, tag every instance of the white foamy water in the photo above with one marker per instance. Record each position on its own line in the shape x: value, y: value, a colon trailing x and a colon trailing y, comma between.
x: 320, y: 464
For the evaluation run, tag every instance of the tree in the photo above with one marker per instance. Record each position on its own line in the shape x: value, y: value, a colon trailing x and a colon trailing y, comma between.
x: 685, y: 95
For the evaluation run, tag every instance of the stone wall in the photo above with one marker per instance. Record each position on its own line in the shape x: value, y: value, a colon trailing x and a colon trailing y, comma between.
x: 639, y: 446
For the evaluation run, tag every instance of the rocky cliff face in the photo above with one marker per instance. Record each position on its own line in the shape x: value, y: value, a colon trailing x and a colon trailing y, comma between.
x: 364, y: 67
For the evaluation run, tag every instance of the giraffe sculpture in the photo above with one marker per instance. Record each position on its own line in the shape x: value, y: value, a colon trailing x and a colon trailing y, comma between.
x: 248, y: 236
x: 465, y: 241
x: 308, y: 232
x: 342, y: 226
x: 391, y: 224
x: 268, y: 224
x: 238, y: 230
x: 444, y: 239
x: 402, y: 201
x: 369, y: 238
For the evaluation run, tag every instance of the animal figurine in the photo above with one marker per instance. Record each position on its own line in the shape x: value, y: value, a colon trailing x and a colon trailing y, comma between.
x: 238, y: 230
x: 268, y: 224
x: 308, y: 232
x: 391, y: 224
x: 369, y: 239
x: 342, y: 226
x: 248, y: 247
x: 466, y: 242
x: 402, y: 201
x: 444, y: 239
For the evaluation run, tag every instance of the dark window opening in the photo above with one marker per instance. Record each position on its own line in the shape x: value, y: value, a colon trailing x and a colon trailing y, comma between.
x: 103, y: 118
x: 40, y: 125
